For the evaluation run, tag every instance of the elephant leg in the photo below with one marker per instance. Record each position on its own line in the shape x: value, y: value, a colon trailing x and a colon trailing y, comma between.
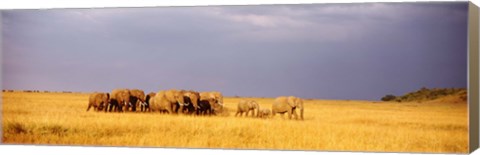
x: 128, y: 106
x: 134, y: 106
x: 120, y: 108
x: 112, y: 107
x: 289, y: 114
x: 170, y: 110
x: 180, y: 109
x: 295, y: 114
x: 88, y: 108
x: 195, y: 108
x: 174, y: 106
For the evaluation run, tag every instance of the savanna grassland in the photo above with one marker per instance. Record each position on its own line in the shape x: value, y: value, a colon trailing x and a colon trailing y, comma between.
x: 346, y: 125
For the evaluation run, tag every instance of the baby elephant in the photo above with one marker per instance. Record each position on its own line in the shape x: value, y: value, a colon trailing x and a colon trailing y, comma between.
x: 264, y: 113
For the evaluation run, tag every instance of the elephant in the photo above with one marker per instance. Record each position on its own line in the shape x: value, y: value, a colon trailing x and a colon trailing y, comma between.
x: 204, y: 106
x: 170, y: 101
x: 137, y: 97
x: 210, y: 102
x: 245, y: 106
x: 191, y: 99
x: 99, y: 101
x: 146, y: 105
x: 158, y: 103
x: 284, y: 104
x: 119, y: 99
x: 264, y: 113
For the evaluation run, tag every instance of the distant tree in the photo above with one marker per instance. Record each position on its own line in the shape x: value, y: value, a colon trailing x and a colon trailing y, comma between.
x: 388, y: 97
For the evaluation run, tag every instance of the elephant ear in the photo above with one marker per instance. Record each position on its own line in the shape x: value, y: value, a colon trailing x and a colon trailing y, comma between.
x: 255, y: 104
x: 251, y: 104
x: 291, y: 101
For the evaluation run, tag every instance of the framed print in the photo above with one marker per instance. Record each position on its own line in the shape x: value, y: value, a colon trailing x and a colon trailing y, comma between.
x: 355, y: 77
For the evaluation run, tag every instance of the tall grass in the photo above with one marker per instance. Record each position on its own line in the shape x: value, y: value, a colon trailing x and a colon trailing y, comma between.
x: 61, y: 119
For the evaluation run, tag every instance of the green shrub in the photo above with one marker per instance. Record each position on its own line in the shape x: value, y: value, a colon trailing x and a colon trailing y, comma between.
x: 424, y: 94
x: 389, y: 97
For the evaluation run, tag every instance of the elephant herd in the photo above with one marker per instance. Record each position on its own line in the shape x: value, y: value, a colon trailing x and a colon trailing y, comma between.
x: 281, y: 105
x: 165, y: 101
x: 187, y: 102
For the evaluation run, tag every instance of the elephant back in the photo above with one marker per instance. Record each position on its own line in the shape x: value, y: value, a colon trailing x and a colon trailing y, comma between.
x: 137, y: 93
x: 120, y: 95
x: 92, y: 97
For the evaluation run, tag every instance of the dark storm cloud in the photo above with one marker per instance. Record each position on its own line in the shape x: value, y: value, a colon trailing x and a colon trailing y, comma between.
x: 332, y: 51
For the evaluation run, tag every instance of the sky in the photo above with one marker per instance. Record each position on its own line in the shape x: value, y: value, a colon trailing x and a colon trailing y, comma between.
x: 326, y: 51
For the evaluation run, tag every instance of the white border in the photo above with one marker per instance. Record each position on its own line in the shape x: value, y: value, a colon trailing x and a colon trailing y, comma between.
x: 46, y: 4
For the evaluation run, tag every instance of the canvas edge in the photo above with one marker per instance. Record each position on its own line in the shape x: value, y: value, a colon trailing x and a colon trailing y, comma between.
x: 473, y: 76
x: 473, y: 72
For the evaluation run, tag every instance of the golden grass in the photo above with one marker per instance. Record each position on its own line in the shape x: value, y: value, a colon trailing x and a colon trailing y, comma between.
x: 334, y: 125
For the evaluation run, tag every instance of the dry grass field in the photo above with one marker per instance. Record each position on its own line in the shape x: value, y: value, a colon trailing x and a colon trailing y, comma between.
x: 337, y: 125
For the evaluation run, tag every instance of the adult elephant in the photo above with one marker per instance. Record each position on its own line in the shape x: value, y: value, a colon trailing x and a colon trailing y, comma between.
x: 137, y: 97
x: 146, y: 105
x: 210, y: 102
x: 169, y: 101
x: 191, y: 99
x: 245, y: 106
x: 119, y: 99
x: 158, y: 103
x: 99, y: 101
x: 289, y: 105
